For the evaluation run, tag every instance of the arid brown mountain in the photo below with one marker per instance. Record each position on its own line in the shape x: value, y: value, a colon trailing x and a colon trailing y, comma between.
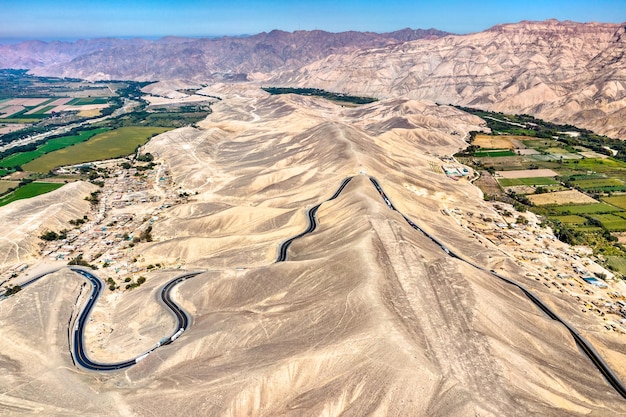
x: 562, y: 71
x: 233, y: 58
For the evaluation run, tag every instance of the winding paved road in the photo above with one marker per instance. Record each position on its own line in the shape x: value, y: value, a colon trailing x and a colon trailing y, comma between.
x: 82, y: 359
x: 282, y: 250
x: 584, y: 345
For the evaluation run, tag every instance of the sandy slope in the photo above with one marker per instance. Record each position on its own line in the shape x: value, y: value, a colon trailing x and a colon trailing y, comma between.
x: 367, y: 316
x: 23, y: 221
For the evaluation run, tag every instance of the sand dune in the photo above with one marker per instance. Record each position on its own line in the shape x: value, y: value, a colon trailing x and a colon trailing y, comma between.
x: 366, y: 317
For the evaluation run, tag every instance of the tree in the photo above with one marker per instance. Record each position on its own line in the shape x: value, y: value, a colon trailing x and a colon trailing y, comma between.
x: 49, y: 236
x: 12, y: 290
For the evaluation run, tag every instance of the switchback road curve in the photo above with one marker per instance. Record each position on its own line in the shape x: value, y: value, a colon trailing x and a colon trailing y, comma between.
x: 584, y: 345
x: 77, y: 345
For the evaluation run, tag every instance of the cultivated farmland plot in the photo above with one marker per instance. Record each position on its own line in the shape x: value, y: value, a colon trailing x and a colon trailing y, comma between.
x: 611, y: 222
x: 618, y: 201
x: 585, y: 208
x: 527, y: 173
x: 30, y: 190
x: 507, y: 182
x: 561, y: 197
x: 107, y: 145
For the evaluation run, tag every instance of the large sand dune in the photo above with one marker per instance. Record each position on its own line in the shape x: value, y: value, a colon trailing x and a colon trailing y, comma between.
x: 366, y: 317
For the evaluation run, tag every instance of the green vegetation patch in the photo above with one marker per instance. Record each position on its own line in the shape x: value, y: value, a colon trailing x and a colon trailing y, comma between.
x: 43, y: 110
x: 82, y: 101
x: 584, y: 208
x: 570, y: 219
x: 494, y: 153
x: 611, y: 222
x: 50, y: 146
x: 22, y: 115
x: 617, y: 201
x: 617, y: 263
x: 509, y: 182
x: 588, y: 229
x: 596, y: 165
x: 30, y: 190
x: 598, y: 183
x: 345, y: 98
x: 107, y: 145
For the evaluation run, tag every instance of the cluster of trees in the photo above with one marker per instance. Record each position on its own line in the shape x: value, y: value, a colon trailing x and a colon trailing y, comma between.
x: 93, y: 198
x: 12, y: 290
x: 78, y: 222
x: 81, y: 262
x: 50, y: 235
x: 320, y: 93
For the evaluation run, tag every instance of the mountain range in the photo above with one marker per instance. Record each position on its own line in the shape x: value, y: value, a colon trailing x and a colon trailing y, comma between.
x: 562, y: 71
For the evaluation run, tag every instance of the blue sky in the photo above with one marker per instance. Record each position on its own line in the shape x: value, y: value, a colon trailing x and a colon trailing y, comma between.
x: 71, y: 19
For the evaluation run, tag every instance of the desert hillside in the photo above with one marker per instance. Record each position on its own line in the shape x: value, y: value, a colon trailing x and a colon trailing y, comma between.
x: 367, y: 316
x: 23, y: 221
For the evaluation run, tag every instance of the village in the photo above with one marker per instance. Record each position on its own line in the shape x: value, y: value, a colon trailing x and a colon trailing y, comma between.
x: 131, y: 198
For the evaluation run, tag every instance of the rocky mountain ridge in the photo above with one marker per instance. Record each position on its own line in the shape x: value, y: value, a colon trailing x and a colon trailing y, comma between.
x: 562, y: 71
x: 231, y: 58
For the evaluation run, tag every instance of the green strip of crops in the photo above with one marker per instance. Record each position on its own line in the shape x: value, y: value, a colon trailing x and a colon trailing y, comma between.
x: 108, y: 145
x: 30, y: 190
x: 50, y: 146
x: 508, y: 182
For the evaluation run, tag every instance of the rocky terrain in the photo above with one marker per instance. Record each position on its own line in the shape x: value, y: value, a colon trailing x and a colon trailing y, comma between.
x: 561, y: 71
x: 230, y: 58
x: 566, y: 72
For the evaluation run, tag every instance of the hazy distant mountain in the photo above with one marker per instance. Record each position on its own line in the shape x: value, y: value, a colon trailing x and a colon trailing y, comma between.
x: 36, y: 54
x: 199, y: 59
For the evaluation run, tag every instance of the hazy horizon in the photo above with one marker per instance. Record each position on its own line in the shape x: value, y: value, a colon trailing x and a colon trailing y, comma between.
x: 70, y: 20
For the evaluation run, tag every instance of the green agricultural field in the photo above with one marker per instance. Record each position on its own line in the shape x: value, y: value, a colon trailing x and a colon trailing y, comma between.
x: 7, y: 185
x: 584, y: 208
x: 50, y: 146
x: 107, y: 145
x: 617, y: 263
x: 617, y: 201
x: 42, y: 111
x: 588, y: 229
x: 81, y: 101
x: 591, y: 184
x: 596, y: 165
x: 570, y: 219
x: 612, y: 222
x: 494, y: 153
x: 509, y: 182
x: 30, y: 190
